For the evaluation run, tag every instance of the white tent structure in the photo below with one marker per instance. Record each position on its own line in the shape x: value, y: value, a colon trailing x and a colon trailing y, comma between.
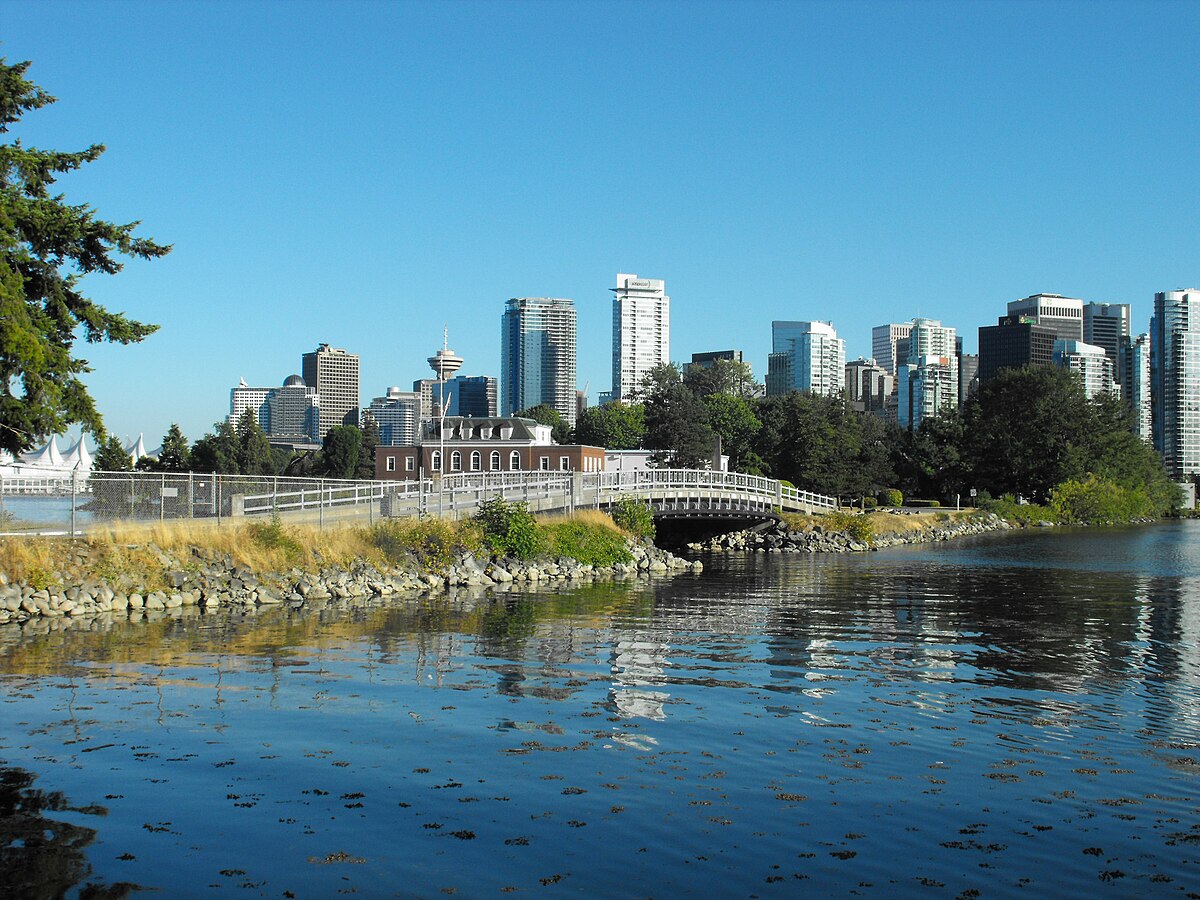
x: 46, y: 468
x: 137, y: 449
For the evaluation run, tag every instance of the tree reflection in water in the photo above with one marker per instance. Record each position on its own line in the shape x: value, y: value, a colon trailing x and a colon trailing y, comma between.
x: 42, y: 856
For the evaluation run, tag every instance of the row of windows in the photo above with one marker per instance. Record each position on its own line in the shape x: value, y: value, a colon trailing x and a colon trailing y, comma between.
x: 514, y: 462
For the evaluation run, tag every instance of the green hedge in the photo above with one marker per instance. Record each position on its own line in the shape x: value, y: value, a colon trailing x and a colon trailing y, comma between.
x: 891, y: 497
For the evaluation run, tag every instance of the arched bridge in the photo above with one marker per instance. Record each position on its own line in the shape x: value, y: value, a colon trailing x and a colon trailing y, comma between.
x: 674, y: 494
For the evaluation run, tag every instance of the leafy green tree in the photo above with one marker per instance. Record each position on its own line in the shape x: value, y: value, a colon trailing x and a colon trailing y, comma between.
x: 677, y: 428
x: 46, y: 247
x: 614, y: 426
x: 733, y: 418
x: 1027, y: 431
x: 111, y: 457
x: 339, y: 452
x: 254, y: 455
x: 175, y: 455
x: 819, y: 444
x: 545, y: 414
x: 724, y: 376
x: 217, y: 451
x: 366, y: 450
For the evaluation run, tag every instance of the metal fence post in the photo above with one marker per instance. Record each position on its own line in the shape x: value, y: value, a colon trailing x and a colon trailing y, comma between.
x: 321, y: 507
x: 74, y: 490
x: 162, y: 496
x: 191, y: 495
x: 217, y: 495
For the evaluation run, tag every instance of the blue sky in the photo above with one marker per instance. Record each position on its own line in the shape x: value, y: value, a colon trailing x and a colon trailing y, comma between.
x: 362, y: 173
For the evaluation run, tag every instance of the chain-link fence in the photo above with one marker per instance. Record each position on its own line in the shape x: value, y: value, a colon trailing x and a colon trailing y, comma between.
x: 74, y: 503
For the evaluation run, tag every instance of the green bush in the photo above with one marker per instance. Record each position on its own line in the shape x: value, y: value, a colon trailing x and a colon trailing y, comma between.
x: 272, y: 535
x: 858, y: 527
x: 509, y: 528
x: 925, y: 504
x: 869, y: 503
x: 891, y: 497
x: 587, y: 543
x: 434, y: 542
x: 1098, y: 501
x: 634, y: 517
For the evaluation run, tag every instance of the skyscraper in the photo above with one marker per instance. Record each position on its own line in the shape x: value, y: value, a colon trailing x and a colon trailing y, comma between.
x: 641, y: 332
x: 805, y: 356
x: 1013, y: 342
x: 1090, y: 363
x: 1055, y: 311
x: 927, y: 376
x: 1175, y: 380
x: 1106, y: 325
x: 886, y: 341
x: 334, y: 374
x: 398, y: 416
x: 537, y: 355
x: 1133, y: 370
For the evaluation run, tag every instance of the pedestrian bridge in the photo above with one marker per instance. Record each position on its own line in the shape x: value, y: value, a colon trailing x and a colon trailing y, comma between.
x: 672, y: 493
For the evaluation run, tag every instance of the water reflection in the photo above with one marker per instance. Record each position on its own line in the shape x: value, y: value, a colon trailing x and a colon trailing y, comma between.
x: 43, y: 855
x: 875, y: 708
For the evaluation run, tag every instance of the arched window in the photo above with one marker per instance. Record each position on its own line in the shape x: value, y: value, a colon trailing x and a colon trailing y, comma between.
x: 435, y: 461
x: 514, y: 461
x: 455, y: 461
x: 495, y: 461
x: 476, y: 461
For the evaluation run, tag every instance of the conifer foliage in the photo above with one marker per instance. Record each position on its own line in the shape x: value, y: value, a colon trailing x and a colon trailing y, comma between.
x: 46, y: 246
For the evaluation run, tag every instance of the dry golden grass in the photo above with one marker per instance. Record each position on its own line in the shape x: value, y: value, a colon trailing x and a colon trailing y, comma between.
x: 592, y: 517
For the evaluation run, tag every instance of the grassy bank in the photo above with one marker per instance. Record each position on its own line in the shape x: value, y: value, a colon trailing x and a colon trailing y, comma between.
x: 145, y: 553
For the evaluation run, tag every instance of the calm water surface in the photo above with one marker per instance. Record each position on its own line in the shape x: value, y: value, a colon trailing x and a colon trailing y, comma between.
x: 1013, y: 714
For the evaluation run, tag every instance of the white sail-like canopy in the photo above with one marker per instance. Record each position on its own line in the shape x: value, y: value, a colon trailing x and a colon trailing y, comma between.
x: 77, y: 458
x: 47, y: 457
x: 137, y: 449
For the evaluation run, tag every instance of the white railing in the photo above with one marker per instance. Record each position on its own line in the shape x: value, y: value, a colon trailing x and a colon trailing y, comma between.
x: 104, y: 496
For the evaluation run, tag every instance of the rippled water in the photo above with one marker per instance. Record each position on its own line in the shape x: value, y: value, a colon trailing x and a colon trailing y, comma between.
x: 1007, y: 714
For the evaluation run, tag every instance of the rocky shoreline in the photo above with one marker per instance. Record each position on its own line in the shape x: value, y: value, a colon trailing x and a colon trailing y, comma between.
x: 779, y: 538
x: 208, y: 582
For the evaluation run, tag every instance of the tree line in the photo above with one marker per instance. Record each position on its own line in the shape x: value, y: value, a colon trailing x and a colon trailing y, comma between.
x: 244, y: 449
x: 1025, y: 433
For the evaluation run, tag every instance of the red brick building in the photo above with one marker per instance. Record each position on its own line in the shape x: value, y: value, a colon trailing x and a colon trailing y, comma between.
x: 485, y: 445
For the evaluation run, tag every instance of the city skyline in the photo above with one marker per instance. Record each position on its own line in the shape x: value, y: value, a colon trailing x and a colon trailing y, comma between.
x: 767, y: 170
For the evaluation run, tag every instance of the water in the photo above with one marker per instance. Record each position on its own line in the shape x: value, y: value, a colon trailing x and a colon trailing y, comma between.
x: 1012, y: 714
x: 33, y: 511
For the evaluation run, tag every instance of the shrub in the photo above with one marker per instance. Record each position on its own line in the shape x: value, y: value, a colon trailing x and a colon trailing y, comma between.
x: 1008, y: 508
x: 858, y: 527
x: 509, y: 528
x: 925, y: 504
x: 1097, y: 501
x: 869, y: 503
x: 891, y: 497
x: 586, y: 542
x: 636, y: 518
x: 434, y: 542
x: 271, y: 535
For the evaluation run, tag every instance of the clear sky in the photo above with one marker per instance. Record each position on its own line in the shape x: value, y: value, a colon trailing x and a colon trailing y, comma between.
x: 363, y: 173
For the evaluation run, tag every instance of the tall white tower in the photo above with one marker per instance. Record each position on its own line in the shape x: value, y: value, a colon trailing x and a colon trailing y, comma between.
x: 641, y: 332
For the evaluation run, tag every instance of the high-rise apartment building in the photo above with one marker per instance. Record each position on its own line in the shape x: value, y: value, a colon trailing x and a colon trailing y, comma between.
x: 1013, y: 342
x: 398, y: 415
x: 1133, y: 370
x: 805, y: 356
x: 537, y: 355
x: 868, y: 386
x: 887, y: 344
x: 1055, y: 311
x: 334, y: 374
x: 927, y: 372
x: 1090, y: 363
x: 1106, y: 325
x: 1175, y: 380
x: 925, y: 387
x: 641, y: 332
